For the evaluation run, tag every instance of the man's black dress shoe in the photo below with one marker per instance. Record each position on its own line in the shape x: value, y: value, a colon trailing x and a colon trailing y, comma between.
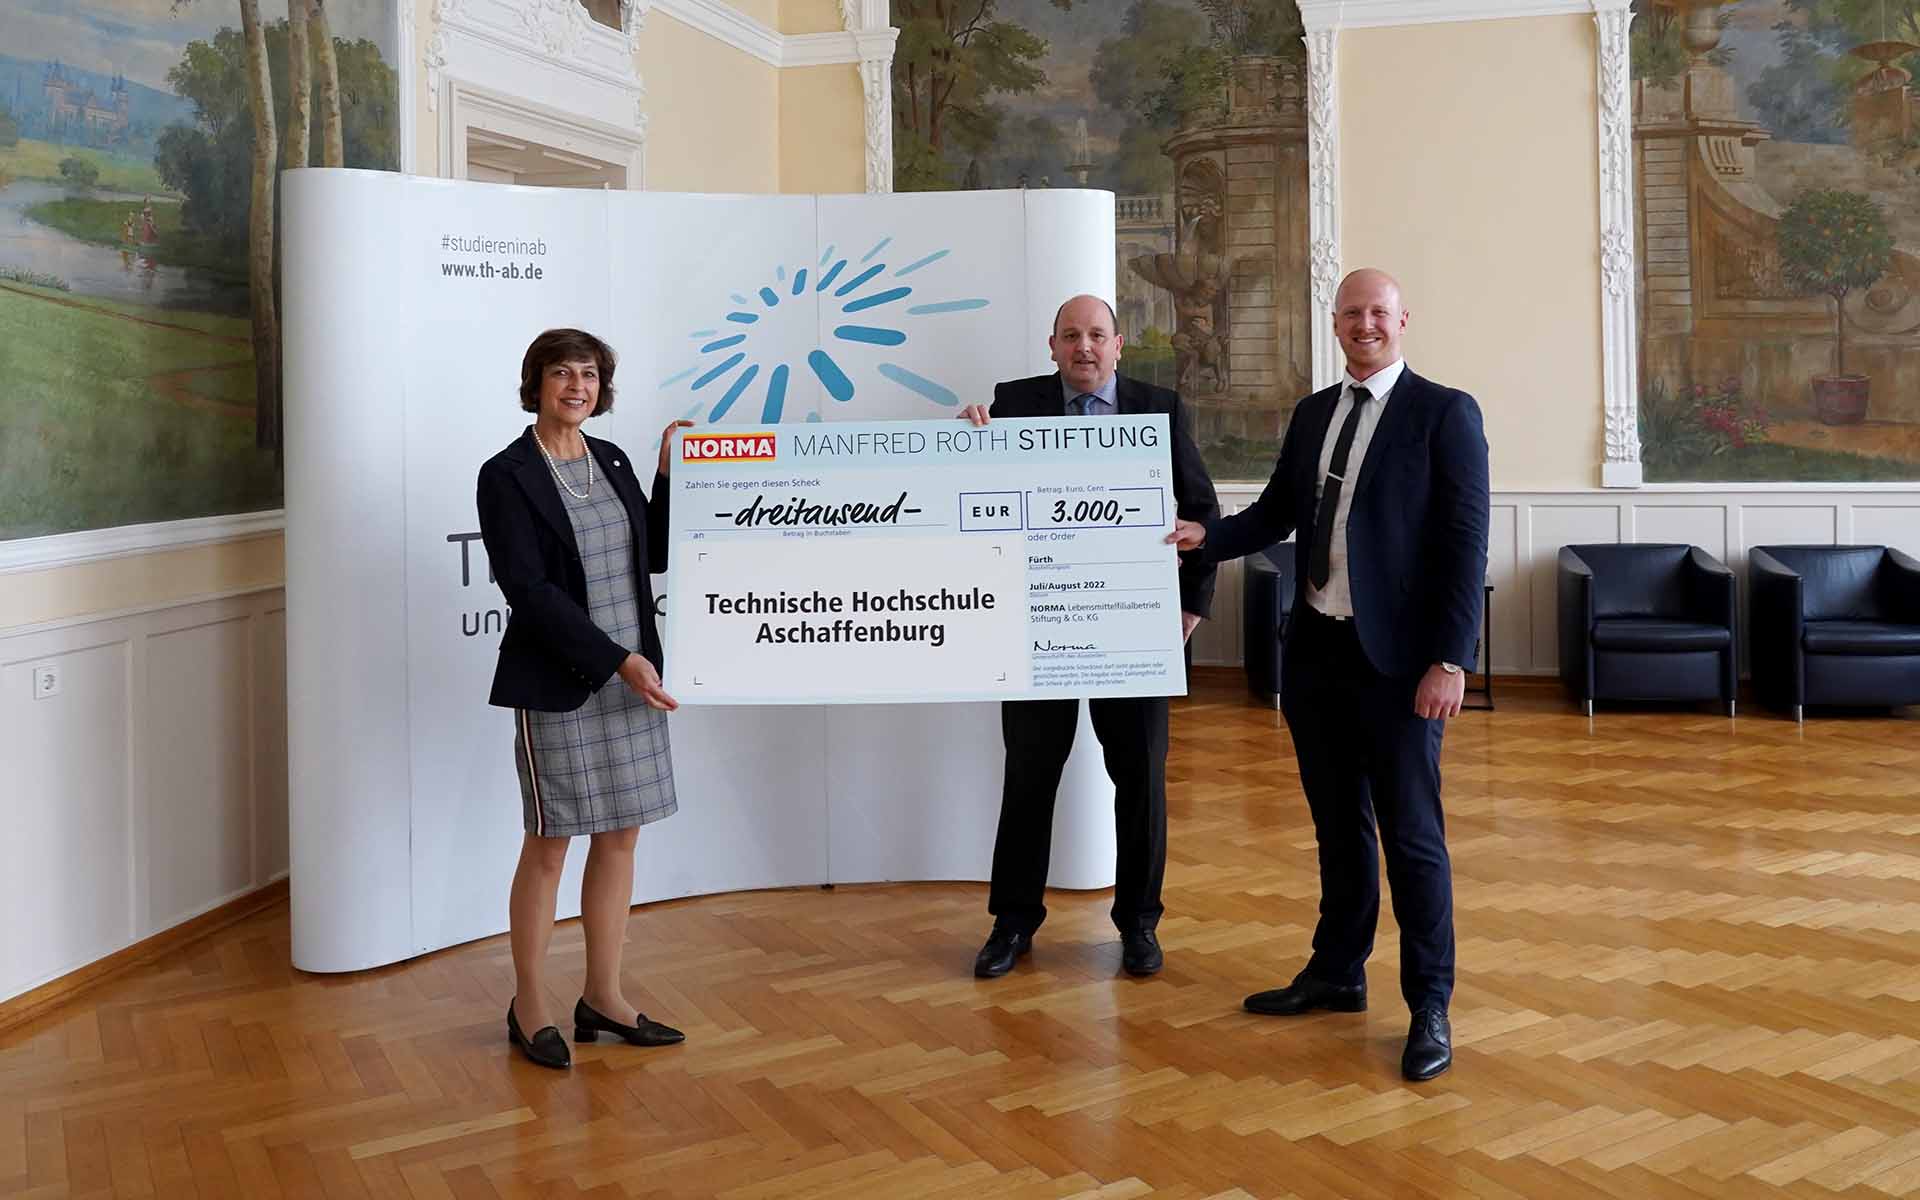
x: 1305, y: 994
x: 546, y: 1047
x: 588, y: 1025
x: 1429, y: 1045
x: 1140, y: 953
x: 996, y: 957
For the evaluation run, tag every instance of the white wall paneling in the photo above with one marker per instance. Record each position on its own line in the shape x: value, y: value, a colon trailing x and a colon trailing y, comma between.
x: 1528, y: 529
x: 151, y: 789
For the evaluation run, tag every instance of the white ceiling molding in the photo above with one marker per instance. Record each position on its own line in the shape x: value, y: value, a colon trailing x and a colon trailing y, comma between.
x: 725, y: 23
x: 858, y: 43
x: 1374, y: 14
x: 819, y: 49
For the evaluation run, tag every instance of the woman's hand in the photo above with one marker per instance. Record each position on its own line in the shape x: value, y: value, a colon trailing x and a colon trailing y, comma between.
x: 666, y: 440
x: 643, y: 681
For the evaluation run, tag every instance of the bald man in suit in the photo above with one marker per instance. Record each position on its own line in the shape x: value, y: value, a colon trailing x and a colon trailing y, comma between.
x: 1132, y: 729
x: 1384, y: 476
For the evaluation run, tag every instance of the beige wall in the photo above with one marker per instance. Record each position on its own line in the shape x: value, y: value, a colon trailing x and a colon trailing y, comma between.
x: 822, y: 130
x: 767, y: 12
x: 709, y: 126
x: 1468, y: 157
x: 808, y: 16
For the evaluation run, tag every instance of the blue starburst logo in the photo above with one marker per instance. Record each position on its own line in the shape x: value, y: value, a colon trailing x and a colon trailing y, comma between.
x: 729, y: 367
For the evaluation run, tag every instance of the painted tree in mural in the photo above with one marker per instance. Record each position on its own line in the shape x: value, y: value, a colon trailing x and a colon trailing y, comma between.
x: 266, y: 318
x: 262, y: 150
x: 1807, y: 93
x: 1831, y: 243
x: 233, y: 153
x: 1870, y: 20
x: 1169, y: 67
x: 312, y: 60
x: 951, y: 58
x: 333, y: 123
x: 1160, y: 64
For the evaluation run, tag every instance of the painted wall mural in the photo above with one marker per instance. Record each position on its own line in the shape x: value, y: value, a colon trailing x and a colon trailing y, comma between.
x: 1778, y: 190
x: 139, y: 337
x: 1192, y: 113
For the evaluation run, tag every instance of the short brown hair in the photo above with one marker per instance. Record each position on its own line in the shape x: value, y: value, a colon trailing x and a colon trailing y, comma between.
x: 565, y: 345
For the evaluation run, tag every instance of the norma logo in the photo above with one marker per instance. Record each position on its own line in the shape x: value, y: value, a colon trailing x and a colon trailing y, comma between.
x: 728, y: 447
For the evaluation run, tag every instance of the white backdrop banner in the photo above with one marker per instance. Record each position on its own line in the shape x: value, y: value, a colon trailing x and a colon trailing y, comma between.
x: 409, y: 303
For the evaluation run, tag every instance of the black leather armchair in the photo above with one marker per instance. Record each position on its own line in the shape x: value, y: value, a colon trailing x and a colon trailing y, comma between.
x: 1266, y: 599
x: 1646, y: 622
x: 1835, y: 625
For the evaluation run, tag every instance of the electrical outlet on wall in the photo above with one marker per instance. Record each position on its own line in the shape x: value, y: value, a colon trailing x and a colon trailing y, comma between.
x: 46, y: 681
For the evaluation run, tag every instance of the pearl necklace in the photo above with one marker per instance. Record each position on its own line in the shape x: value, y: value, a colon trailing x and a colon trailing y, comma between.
x: 555, y: 468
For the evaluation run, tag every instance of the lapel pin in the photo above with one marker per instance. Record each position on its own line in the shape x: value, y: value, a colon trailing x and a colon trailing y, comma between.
x: 616, y: 462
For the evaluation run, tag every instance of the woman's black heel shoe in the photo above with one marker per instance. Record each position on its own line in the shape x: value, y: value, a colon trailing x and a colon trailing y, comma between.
x: 588, y: 1025
x: 546, y: 1047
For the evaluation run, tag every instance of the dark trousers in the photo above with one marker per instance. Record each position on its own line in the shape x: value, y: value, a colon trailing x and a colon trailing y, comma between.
x: 1367, y: 760
x: 1038, y: 734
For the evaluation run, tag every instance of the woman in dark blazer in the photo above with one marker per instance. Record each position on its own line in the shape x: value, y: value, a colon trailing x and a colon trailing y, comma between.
x: 573, y: 541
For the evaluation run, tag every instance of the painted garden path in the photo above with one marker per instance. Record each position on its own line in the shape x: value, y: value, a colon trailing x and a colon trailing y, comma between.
x: 1878, y: 439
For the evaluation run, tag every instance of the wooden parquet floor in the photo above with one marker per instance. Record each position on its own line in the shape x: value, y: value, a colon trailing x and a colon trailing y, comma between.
x: 1688, y: 968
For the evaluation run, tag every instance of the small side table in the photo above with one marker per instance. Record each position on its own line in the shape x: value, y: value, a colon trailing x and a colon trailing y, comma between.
x: 1483, y: 655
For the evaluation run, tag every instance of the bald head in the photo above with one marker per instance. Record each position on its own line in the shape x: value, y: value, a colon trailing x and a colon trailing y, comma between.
x: 1369, y: 318
x: 1085, y: 298
x: 1084, y: 343
x: 1366, y: 282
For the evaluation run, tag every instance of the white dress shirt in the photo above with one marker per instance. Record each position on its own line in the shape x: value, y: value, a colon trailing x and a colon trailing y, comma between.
x: 1336, y: 600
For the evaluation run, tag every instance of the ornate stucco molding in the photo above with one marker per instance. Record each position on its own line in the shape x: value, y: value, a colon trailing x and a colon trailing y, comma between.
x: 874, y: 36
x: 1619, y: 337
x: 545, y: 55
x: 1323, y: 188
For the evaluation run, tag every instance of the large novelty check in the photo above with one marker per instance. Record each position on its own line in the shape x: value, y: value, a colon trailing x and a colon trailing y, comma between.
x: 923, y: 560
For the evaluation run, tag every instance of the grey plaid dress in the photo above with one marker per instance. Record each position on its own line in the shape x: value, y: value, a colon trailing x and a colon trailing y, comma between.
x: 605, y: 765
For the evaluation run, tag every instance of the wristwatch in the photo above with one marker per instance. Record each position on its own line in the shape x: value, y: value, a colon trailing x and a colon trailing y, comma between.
x: 1450, y: 668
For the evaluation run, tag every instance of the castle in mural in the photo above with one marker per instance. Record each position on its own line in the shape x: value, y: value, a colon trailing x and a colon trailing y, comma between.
x: 75, y: 109
x: 1777, y: 162
x: 1192, y: 113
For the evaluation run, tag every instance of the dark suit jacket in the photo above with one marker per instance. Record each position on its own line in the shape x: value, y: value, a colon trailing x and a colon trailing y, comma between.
x: 552, y: 656
x: 1417, y: 532
x: 1193, y: 495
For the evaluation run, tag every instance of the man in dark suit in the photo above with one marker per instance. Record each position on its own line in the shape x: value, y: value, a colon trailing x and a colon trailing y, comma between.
x: 1385, y: 477
x: 1132, y: 730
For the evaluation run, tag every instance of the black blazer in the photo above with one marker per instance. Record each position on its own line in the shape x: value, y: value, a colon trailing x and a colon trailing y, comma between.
x: 552, y: 656
x: 1193, y: 495
x: 1417, y: 531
